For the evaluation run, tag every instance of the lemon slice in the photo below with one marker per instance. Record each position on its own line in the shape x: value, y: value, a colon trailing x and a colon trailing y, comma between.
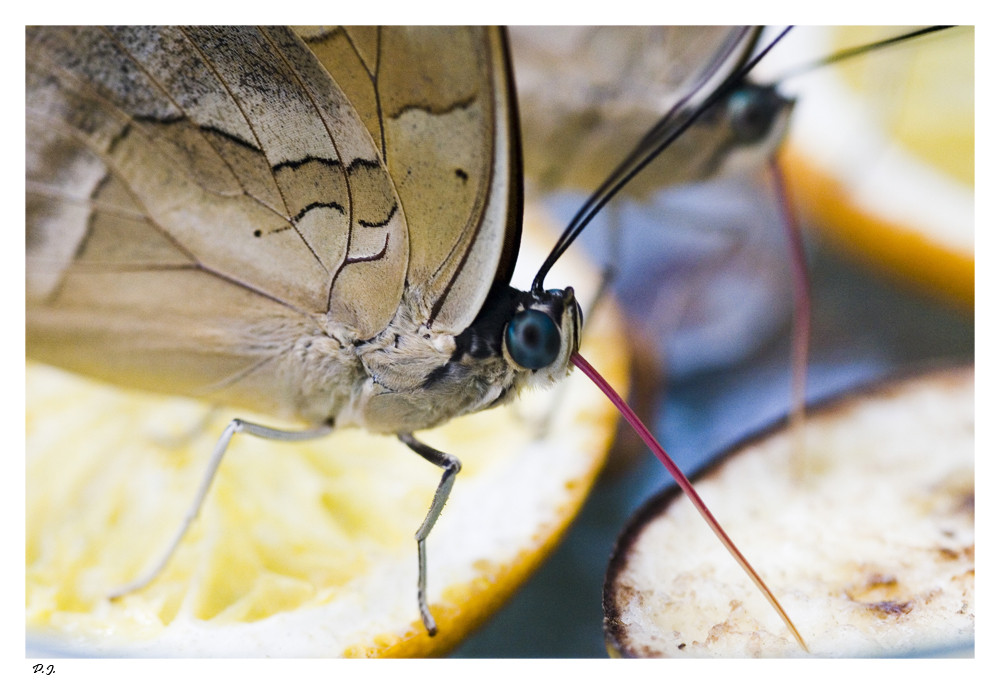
x: 871, y: 553
x: 881, y: 150
x: 300, y: 549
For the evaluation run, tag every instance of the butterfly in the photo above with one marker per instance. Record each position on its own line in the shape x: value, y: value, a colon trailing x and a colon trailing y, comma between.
x: 318, y: 224
x: 298, y: 224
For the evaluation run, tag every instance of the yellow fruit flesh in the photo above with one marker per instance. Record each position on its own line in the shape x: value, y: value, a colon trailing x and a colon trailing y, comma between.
x: 923, y: 94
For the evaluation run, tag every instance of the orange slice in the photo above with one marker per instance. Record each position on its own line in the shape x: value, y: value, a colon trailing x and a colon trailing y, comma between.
x: 871, y: 553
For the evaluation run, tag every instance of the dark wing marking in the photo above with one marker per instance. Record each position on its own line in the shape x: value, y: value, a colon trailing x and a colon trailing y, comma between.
x: 160, y: 157
x: 439, y: 98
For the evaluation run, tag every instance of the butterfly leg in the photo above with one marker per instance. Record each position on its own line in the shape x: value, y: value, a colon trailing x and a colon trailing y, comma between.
x: 236, y: 425
x: 451, y: 466
x: 613, y: 232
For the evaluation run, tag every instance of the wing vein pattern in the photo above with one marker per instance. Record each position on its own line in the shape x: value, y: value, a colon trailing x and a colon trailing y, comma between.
x: 204, y: 203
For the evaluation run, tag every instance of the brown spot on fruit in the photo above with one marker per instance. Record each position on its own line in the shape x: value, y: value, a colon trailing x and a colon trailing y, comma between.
x: 876, y: 588
x: 886, y: 609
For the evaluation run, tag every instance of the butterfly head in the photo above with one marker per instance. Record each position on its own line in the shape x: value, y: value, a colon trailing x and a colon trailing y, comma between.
x: 754, y: 111
x: 755, y: 119
x: 542, y: 335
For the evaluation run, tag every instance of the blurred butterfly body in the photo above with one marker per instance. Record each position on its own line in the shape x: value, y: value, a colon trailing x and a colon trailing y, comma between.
x: 589, y: 93
x: 306, y: 225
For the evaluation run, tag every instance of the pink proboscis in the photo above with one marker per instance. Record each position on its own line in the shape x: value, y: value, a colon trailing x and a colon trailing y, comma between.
x: 686, y: 487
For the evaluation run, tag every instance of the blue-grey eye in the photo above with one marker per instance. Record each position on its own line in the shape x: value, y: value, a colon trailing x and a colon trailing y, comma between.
x: 532, y: 339
x: 752, y: 111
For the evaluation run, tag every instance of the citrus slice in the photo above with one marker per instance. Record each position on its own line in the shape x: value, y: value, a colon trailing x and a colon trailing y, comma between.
x: 872, y: 552
x: 301, y: 549
x: 881, y: 150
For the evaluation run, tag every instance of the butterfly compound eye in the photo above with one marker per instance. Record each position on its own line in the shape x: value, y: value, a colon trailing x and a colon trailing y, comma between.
x: 752, y: 111
x: 532, y: 339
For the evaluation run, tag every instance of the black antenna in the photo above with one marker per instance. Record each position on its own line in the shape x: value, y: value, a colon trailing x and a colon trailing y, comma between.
x: 565, y: 240
x: 860, y: 50
x: 644, y: 152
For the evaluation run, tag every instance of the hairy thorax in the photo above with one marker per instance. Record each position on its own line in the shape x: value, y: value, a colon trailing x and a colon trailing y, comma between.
x: 411, y: 377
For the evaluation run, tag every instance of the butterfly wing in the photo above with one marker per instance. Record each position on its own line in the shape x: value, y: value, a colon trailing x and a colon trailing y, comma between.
x: 438, y: 102
x: 201, y: 200
x: 588, y: 94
